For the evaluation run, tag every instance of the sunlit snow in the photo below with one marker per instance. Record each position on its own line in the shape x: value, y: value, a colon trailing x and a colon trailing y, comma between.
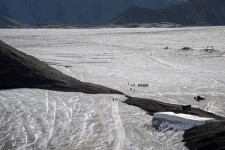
x: 183, y: 119
x: 42, y: 119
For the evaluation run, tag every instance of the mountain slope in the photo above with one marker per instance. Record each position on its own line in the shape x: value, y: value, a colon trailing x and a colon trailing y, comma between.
x: 8, y: 22
x: 18, y: 70
x: 206, y: 137
x: 195, y: 12
x: 34, y: 12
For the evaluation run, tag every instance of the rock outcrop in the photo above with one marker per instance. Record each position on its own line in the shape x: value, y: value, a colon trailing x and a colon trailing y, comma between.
x: 206, y: 137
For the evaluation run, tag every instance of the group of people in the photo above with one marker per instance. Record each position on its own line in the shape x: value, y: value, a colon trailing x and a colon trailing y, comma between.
x: 115, y: 99
x: 138, y: 85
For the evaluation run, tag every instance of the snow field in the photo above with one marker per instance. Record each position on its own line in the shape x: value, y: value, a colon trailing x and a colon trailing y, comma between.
x: 111, y: 57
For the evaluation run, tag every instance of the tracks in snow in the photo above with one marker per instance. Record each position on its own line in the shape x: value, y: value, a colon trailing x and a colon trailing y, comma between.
x: 98, y: 142
x: 214, y: 107
x: 120, y: 132
x: 162, y: 62
x: 47, y: 100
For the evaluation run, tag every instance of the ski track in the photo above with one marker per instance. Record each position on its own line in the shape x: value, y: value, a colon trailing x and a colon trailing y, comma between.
x: 53, y: 120
x: 98, y: 142
x: 120, y: 132
x: 47, y: 103
x: 162, y: 62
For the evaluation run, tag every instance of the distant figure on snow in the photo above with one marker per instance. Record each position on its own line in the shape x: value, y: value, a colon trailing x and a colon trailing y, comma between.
x: 199, y: 98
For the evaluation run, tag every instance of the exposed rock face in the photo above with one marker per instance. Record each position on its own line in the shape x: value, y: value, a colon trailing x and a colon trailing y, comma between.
x: 18, y: 70
x: 34, y: 12
x: 206, y: 137
x: 195, y: 12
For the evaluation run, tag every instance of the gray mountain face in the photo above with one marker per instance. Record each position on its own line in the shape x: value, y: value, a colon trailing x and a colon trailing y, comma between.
x: 73, y: 11
x: 194, y: 12
x: 6, y: 22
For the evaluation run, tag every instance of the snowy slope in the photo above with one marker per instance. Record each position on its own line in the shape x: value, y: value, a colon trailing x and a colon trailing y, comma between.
x: 113, y: 58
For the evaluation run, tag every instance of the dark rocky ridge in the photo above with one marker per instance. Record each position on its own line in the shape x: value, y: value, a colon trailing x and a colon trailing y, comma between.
x: 19, y: 70
x: 153, y: 106
x: 195, y: 12
x: 206, y: 137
